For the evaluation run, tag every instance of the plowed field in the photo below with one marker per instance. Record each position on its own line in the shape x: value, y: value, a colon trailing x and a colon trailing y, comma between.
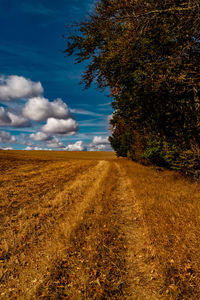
x: 91, y: 226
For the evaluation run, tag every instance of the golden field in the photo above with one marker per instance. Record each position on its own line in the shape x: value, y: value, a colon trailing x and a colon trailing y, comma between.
x: 87, y: 225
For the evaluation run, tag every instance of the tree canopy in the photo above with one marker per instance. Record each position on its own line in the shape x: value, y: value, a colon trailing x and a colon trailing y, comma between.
x: 148, y: 54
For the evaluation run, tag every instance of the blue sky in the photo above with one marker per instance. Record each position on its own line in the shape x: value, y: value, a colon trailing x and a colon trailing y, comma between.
x: 34, y: 73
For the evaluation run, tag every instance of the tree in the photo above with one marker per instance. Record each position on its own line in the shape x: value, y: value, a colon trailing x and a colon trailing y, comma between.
x: 148, y: 53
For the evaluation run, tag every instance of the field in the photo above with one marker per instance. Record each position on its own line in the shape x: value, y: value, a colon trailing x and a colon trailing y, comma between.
x: 92, y: 226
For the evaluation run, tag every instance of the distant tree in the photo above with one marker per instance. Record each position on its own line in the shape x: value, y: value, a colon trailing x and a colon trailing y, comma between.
x: 148, y: 54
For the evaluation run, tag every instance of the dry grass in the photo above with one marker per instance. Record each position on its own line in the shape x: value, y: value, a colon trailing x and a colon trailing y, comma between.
x: 33, y: 203
x: 56, y: 155
x: 93, y: 265
x: 171, y: 211
x: 90, y: 226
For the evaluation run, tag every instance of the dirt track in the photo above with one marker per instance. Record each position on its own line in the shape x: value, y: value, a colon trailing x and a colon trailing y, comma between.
x: 72, y: 230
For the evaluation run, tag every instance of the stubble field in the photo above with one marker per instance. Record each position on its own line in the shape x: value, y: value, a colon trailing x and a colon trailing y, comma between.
x: 91, y: 226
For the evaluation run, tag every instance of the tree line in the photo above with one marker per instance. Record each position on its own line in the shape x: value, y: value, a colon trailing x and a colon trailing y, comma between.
x: 148, y: 54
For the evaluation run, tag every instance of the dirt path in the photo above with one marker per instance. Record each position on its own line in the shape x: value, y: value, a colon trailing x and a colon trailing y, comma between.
x: 109, y: 254
x: 88, y: 242
x: 141, y: 272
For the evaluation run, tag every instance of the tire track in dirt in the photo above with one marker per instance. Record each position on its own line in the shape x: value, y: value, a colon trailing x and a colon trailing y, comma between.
x: 142, y: 278
x: 108, y: 256
x: 93, y: 264
x: 67, y: 209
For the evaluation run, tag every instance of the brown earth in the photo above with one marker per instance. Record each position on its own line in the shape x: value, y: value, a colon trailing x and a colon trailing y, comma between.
x: 91, y: 226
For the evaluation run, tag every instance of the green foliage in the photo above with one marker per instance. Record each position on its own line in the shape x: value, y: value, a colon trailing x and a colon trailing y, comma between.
x: 154, y: 152
x: 188, y: 162
x: 121, y: 143
x: 173, y: 156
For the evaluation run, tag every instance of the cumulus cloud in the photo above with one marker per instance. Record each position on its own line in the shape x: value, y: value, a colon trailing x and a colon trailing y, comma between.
x: 60, y: 126
x: 12, y: 119
x: 100, y: 143
x: 34, y: 148
x: 7, y: 148
x: 101, y: 147
x: 39, y: 136
x: 6, y: 137
x: 55, y: 143
x: 16, y: 87
x: 51, y: 141
x: 40, y: 109
x: 4, y: 118
x: 98, y: 140
x: 58, y: 117
x: 78, y: 146
x: 18, y: 120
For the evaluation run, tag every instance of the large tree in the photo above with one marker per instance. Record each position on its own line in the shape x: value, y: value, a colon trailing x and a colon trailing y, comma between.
x: 148, y: 54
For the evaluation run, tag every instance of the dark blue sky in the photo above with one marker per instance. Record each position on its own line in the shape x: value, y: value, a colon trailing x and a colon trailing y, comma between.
x: 32, y: 47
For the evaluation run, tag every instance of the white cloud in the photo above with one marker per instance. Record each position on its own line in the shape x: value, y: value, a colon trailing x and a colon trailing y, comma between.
x: 16, y: 87
x: 78, y: 146
x: 39, y: 136
x: 60, y: 126
x: 18, y: 120
x: 100, y: 143
x: 6, y: 137
x: 12, y: 119
x: 59, y: 120
x: 40, y: 109
x: 4, y: 118
x: 97, y: 140
x: 55, y: 143
x: 51, y: 142
x: 101, y: 147
x: 34, y: 148
x: 6, y: 148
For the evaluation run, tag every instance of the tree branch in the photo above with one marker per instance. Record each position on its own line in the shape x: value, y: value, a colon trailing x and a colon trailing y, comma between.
x: 158, y: 11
